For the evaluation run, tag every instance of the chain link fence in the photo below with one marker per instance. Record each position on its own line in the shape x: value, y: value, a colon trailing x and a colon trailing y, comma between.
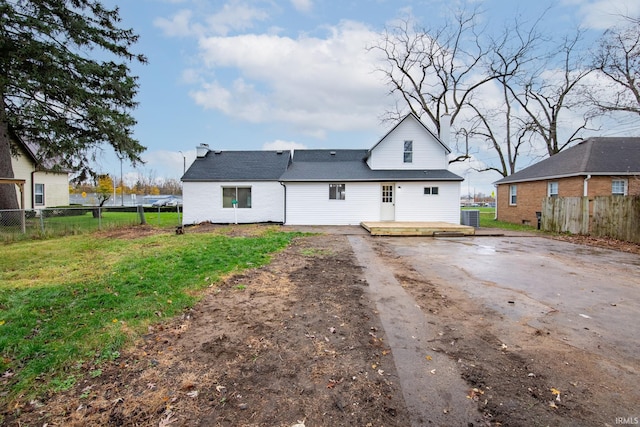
x: 16, y: 224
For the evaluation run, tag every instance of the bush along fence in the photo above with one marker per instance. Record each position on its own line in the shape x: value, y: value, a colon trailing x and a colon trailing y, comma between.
x: 617, y: 217
x: 72, y: 220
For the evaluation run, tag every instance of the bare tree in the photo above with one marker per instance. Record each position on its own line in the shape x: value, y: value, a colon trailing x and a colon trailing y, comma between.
x: 500, y: 127
x: 618, y: 60
x: 434, y: 71
x: 546, y: 92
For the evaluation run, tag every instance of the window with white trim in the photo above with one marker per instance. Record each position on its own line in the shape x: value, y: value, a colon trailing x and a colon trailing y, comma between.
x: 336, y: 191
x: 433, y: 191
x: 240, y: 195
x: 619, y: 187
x: 38, y: 194
x: 513, y: 194
x: 552, y: 189
x: 408, y: 151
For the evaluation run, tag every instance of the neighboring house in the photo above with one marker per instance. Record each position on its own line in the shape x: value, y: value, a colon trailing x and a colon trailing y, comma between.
x: 43, y: 186
x: 600, y: 166
x: 403, y: 177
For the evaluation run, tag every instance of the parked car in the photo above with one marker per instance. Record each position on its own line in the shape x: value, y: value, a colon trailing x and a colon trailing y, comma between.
x: 170, y: 201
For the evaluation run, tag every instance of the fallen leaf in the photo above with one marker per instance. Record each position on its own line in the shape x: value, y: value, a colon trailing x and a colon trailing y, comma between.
x: 193, y: 393
x: 428, y: 357
x: 433, y: 371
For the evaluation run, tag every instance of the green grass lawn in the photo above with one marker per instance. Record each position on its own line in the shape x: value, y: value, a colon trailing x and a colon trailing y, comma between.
x: 56, y: 226
x: 487, y: 220
x: 67, y: 304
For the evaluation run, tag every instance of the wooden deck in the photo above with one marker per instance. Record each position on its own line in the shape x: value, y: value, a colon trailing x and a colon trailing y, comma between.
x: 392, y: 228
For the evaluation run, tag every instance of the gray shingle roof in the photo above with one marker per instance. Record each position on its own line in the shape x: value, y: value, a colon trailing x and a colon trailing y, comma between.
x: 307, y: 166
x: 357, y: 170
x: 595, y: 156
x: 238, y: 166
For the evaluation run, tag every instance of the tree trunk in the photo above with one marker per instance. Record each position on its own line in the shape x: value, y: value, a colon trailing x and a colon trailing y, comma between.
x: 8, y: 195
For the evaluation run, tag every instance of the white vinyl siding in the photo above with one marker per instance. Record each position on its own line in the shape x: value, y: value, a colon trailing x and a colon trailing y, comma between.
x: 203, y: 201
x: 413, y: 205
x: 56, y: 185
x: 307, y: 203
x: 427, y: 152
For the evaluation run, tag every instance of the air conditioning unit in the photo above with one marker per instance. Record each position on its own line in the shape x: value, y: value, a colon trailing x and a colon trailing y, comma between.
x: 470, y: 218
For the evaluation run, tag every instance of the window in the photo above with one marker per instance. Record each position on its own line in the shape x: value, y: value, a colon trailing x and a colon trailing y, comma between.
x: 336, y: 191
x: 431, y: 190
x: 552, y: 189
x: 38, y: 194
x: 387, y: 194
x: 242, y: 195
x: 513, y: 194
x: 408, y: 151
x: 619, y: 187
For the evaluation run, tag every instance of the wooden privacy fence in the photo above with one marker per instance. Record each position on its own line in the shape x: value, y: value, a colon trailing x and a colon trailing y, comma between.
x: 604, y: 216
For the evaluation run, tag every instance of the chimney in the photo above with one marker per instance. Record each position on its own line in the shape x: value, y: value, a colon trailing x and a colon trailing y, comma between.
x: 202, y: 150
x: 445, y: 128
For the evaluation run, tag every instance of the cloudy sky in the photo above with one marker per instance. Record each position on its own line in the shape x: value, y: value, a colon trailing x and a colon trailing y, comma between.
x: 279, y: 74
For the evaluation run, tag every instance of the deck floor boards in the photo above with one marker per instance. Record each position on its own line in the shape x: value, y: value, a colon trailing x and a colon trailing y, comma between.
x: 392, y: 228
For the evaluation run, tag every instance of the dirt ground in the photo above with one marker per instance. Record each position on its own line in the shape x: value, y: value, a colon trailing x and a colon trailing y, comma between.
x: 298, y: 343
x: 293, y: 343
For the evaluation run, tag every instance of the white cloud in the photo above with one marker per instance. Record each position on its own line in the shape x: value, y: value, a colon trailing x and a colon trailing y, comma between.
x: 302, y: 5
x: 316, y: 84
x: 279, y: 144
x: 235, y: 15
x: 179, y: 25
x: 603, y: 14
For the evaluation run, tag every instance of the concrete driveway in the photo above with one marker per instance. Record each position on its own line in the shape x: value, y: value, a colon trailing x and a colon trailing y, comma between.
x: 583, y: 298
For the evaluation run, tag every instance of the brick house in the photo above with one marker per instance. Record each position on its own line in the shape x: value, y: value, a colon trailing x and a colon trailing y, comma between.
x: 601, y: 166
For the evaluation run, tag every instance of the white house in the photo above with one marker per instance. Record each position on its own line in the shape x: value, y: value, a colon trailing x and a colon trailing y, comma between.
x: 43, y: 186
x: 403, y: 177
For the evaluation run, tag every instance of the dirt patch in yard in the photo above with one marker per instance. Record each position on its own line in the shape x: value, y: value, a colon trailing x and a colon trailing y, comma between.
x: 295, y: 342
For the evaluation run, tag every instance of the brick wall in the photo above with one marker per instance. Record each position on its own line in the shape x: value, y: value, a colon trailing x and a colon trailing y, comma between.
x: 531, y: 194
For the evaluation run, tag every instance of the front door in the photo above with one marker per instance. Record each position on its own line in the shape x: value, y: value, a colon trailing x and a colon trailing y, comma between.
x: 388, y: 205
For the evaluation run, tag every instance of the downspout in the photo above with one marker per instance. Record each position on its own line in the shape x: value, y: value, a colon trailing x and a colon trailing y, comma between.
x: 495, y: 211
x: 586, y: 214
x: 585, y: 190
x: 33, y: 190
x: 284, y: 219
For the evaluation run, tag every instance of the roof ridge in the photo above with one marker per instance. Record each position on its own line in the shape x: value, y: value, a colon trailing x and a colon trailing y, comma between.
x: 587, y: 157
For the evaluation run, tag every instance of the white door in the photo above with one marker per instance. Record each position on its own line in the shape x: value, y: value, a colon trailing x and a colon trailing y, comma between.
x: 388, y: 205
